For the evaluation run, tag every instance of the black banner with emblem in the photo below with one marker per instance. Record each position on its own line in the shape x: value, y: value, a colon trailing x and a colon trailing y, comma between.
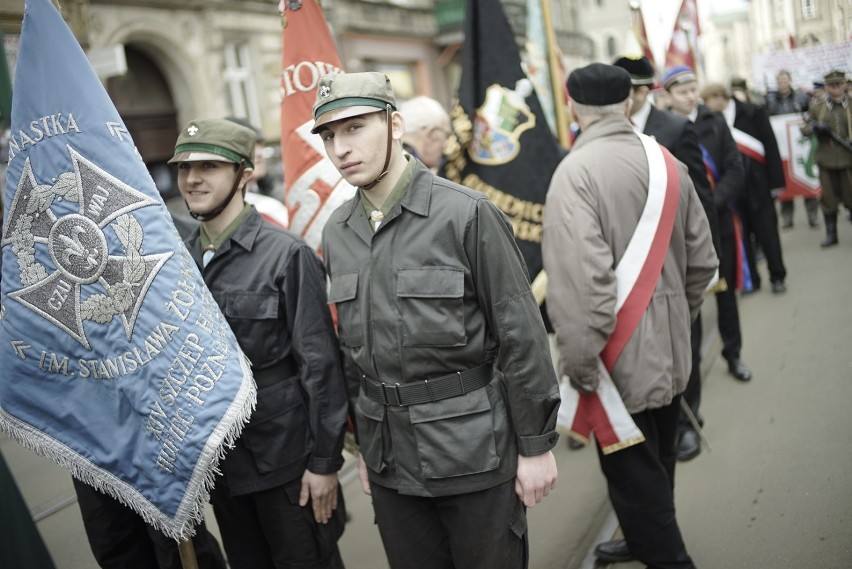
x: 505, y: 148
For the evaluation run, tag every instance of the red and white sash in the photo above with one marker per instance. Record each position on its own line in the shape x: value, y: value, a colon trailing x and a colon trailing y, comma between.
x: 637, y: 274
x: 749, y: 145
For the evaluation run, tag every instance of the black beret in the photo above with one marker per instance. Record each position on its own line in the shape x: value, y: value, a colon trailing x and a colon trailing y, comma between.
x: 640, y: 69
x: 599, y: 84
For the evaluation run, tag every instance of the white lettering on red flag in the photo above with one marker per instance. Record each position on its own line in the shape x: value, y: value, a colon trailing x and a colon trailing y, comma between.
x: 312, y: 186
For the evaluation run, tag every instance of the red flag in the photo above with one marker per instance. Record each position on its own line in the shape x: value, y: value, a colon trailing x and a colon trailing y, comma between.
x: 683, y: 47
x: 641, y: 35
x: 313, y: 188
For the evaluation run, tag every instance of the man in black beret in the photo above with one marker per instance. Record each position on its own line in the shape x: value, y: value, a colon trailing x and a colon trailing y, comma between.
x: 634, y: 331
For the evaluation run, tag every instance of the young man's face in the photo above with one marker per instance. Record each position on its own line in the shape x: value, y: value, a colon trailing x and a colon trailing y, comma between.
x: 204, y: 184
x: 835, y: 90
x: 783, y: 83
x: 357, y: 146
x: 639, y: 94
x: 716, y: 103
x: 684, y: 97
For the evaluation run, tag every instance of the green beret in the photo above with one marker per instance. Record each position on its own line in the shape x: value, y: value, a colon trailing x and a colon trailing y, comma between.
x: 218, y: 140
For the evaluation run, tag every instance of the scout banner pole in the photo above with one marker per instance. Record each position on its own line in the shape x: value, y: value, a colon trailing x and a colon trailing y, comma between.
x: 556, y: 77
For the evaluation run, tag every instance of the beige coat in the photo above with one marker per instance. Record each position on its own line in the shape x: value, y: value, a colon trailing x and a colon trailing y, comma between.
x: 593, y: 206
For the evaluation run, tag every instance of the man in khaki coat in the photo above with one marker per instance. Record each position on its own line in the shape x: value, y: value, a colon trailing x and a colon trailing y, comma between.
x: 594, y: 203
x: 831, y: 121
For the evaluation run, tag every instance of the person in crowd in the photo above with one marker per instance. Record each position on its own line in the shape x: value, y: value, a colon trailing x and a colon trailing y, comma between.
x: 764, y: 178
x: 427, y: 128
x: 450, y: 377
x: 726, y: 174
x: 830, y: 120
x: 677, y: 134
x: 786, y: 100
x: 741, y: 92
x: 278, y: 502
x: 596, y: 196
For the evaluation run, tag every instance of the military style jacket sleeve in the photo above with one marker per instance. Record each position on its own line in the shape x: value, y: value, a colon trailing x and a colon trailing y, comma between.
x: 315, y: 349
x: 502, y: 287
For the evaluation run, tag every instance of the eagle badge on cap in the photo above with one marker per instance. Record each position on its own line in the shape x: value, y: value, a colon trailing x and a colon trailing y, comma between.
x: 192, y: 130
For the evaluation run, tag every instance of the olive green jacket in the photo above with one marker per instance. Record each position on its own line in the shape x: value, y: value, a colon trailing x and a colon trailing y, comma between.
x: 829, y: 154
x: 440, y: 288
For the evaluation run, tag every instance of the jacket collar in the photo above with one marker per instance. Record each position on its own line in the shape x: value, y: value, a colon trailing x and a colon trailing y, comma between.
x: 244, y: 236
x: 415, y: 200
x: 607, y: 126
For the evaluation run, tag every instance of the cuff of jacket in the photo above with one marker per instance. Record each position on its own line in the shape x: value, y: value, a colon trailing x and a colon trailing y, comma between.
x: 319, y: 465
x: 535, y: 445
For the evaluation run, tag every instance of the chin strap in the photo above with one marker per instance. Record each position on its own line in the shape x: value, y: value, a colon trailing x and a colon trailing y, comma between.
x: 387, y: 154
x: 221, y: 207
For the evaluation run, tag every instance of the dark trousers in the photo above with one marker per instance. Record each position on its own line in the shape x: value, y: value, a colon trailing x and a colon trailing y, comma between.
x: 836, y: 189
x: 21, y: 545
x: 479, y: 530
x: 763, y: 224
x: 726, y: 302
x: 692, y: 393
x: 268, y: 529
x: 120, y: 539
x: 641, y: 488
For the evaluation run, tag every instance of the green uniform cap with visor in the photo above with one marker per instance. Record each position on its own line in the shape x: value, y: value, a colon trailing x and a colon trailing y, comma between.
x: 218, y: 140
x: 347, y: 95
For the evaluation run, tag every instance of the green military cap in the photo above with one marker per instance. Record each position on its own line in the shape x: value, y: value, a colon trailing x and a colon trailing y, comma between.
x: 347, y: 95
x: 218, y: 140
x: 835, y: 76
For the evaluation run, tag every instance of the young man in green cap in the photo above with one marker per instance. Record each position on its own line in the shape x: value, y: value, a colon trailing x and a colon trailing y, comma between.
x: 447, y: 360
x: 278, y: 503
x: 831, y: 121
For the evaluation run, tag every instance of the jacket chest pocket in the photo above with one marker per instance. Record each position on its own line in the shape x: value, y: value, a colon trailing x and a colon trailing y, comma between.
x: 343, y: 293
x: 255, y: 320
x: 455, y: 437
x: 431, y: 304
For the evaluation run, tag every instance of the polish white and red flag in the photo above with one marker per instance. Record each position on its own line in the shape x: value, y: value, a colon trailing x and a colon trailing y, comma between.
x: 637, y: 273
x: 749, y: 145
x: 683, y: 46
x: 313, y: 188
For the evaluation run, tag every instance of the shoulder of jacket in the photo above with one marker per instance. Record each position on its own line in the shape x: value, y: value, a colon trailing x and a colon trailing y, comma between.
x: 458, y: 191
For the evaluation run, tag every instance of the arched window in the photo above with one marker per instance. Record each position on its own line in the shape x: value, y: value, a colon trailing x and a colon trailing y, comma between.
x: 611, y: 47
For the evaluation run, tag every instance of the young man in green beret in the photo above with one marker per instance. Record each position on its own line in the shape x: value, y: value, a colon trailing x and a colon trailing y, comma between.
x: 278, y: 503
x: 447, y: 361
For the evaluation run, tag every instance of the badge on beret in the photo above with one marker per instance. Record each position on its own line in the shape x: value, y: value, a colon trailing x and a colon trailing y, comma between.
x: 192, y: 130
x: 325, y: 91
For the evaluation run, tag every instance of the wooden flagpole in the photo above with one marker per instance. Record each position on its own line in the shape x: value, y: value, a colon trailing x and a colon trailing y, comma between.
x: 187, y: 554
x: 555, y: 76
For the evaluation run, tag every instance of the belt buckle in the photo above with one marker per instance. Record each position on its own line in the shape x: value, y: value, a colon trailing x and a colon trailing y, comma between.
x: 387, y: 389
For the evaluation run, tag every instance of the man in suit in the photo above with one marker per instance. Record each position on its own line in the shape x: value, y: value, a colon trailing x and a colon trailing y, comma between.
x: 678, y: 135
x: 764, y: 176
x: 725, y: 171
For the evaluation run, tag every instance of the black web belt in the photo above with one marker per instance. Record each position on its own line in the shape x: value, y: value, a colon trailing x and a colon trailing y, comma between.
x: 427, y: 390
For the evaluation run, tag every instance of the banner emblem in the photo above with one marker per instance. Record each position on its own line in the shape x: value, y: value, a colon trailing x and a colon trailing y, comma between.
x: 499, y: 122
x: 78, y: 249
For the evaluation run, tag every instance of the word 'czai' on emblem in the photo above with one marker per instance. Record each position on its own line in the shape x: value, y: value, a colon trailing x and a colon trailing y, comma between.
x: 87, y: 282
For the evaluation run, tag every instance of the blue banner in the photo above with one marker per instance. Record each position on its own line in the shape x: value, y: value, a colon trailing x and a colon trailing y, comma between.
x: 115, y: 360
